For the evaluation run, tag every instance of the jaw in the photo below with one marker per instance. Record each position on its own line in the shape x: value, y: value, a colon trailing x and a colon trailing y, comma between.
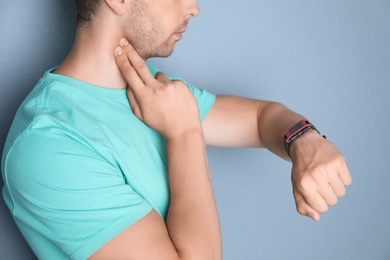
x: 163, y: 51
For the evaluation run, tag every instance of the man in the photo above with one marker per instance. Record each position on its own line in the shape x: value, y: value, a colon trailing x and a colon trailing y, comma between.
x: 106, y: 157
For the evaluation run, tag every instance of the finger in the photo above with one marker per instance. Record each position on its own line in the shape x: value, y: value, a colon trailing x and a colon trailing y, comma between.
x: 338, y: 186
x: 128, y: 72
x: 137, y: 62
x: 344, y: 174
x: 314, y: 199
x: 329, y: 195
x: 304, y: 209
x: 134, y: 104
x: 161, y: 77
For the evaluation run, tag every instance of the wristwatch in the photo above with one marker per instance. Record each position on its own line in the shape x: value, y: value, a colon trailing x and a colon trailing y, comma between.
x: 296, y: 131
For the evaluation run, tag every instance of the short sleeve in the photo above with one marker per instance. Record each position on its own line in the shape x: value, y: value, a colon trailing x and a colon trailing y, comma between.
x: 65, y: 193
x: 204, y: 98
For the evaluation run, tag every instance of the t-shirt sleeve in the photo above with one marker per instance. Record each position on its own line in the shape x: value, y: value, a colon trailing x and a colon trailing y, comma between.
x: 64, y: 191
x: 204, y: 98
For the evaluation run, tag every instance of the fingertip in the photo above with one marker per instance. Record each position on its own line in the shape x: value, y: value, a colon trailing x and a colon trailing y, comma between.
x: 349, y: 179
x: 346, y: 178
x: 124, y: 42
x: 306, y: 210
x: 315, y: 216
x: 118, y: 51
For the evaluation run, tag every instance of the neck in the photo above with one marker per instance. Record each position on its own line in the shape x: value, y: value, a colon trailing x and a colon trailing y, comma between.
x: 92, y: 57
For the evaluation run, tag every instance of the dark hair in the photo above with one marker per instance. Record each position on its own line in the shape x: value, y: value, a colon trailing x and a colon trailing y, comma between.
x: 86, y: 9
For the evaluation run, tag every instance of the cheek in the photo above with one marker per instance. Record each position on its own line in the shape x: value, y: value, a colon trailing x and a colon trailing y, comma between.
x: 169, y: 23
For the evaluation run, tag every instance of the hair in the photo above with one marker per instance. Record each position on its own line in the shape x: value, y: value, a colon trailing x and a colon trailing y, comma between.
x: 86, y: 9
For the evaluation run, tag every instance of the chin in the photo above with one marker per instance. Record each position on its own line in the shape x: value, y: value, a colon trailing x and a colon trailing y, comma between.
x: 160, y: 54
x: 163, y: 51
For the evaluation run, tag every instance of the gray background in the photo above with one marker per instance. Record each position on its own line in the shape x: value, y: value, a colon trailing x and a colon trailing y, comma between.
x: 328, y: 60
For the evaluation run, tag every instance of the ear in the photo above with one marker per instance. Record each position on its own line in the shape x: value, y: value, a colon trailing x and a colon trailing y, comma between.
x: 118, y: 6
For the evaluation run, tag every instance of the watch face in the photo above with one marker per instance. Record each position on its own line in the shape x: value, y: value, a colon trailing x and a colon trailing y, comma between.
x: 295, y: 128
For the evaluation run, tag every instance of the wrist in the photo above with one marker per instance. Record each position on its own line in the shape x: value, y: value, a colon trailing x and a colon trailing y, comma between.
x: 297, y: 132
x: 309, y: 137
x: 195, y: 134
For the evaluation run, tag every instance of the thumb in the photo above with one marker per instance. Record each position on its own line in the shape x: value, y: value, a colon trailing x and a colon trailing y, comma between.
x: 304, y: 209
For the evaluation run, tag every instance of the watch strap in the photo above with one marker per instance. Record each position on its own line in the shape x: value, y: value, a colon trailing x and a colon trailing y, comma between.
x: 296, y: 131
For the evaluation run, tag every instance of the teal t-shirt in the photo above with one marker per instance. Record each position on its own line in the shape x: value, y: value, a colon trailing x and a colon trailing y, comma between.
x: 79, y: 167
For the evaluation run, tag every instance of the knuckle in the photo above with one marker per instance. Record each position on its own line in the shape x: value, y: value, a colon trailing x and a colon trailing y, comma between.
x: 139, y: 65
x: 127, y: 73
x: 304, y: 183
x: 157, y: 90
x: 336, y: 161
x: 341, y: 160
x: 169, y: 85
x: 301, y: 210
x: 142, y: 96
x: 124, y: 65
x: 318, y: 174
x: 323, y: 209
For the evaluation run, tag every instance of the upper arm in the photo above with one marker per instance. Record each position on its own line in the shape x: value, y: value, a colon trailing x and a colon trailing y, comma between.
x: 148, y: 238
x: 69, y: 198
x: 233, y: 122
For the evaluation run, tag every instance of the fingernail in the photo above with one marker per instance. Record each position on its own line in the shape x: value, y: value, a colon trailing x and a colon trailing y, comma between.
x: 313, y: 217
x: 124, y: 42
x: 118, y: 51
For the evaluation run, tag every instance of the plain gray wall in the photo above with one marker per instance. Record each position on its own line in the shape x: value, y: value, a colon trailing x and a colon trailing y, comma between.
x: 329, y: 60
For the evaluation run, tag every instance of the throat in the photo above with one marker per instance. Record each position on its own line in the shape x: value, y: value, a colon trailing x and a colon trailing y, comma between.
x: 102, y: 72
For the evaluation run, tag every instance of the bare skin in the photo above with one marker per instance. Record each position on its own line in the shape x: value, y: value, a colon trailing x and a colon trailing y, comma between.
x: 319, y: 172
x: 192, y: 229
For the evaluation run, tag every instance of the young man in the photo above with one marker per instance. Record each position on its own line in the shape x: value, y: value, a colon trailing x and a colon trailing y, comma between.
x: 106, y: 157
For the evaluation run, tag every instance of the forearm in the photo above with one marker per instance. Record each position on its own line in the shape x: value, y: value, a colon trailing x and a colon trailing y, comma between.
x: 273, y: 119
x: 192, y: 220
x: 317, y: 163
x: 242, y: 122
